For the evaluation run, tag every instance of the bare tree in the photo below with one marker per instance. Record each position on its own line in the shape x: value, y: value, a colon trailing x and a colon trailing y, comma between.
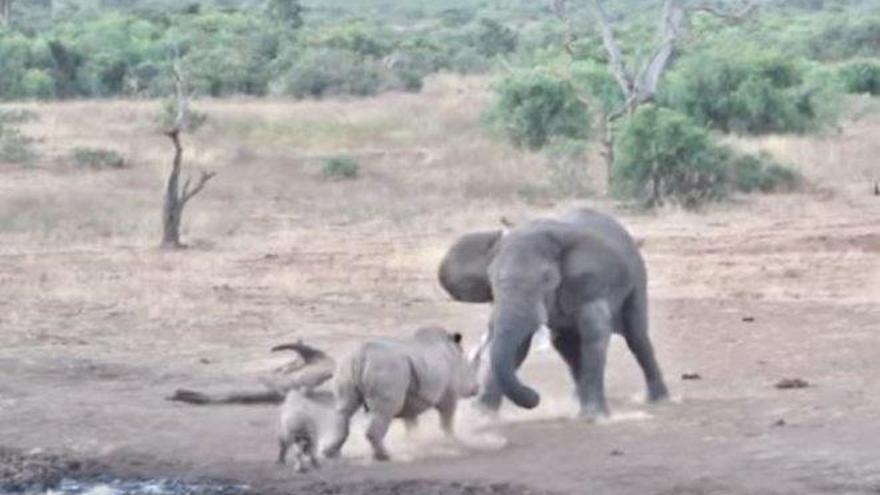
x: 176, y: 197
x: 5, y: 10
x: 639, y: 85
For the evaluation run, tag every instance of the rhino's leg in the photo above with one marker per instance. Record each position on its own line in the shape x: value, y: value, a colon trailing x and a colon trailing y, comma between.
x: 379, y: 423
x: 345, y: 409
x: 410, y: 423
x: 298, y: 463
x: 446, y: 409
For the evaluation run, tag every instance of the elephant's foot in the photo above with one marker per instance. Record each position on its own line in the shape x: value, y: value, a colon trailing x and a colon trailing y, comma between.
x: 593, y: 413
x: 381, y: 456
x: 657, y: 392
x: 331, y: 452
x: 489, y: 403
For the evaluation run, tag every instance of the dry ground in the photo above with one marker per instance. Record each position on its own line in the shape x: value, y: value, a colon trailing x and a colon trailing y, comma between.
x: 97, y: 326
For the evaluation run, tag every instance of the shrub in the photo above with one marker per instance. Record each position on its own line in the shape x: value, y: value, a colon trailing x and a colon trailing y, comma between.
x: 38, y: 84
x: 410, y: 80
x: 861, y: 76
x: 340, y: 167
x: 746, y: 92
x: 168, y: 114
x: 16, y: 116
x: 533, y: 107
x: 97, y: 158
x: 326, y: 72
x: 662, y: 155
x: 494, y: 38
x: 750, y: 173
x: 14, y: 146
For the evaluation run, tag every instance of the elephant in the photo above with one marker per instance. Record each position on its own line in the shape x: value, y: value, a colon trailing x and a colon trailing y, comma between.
x: 401, y: 379
x: 582, y: 275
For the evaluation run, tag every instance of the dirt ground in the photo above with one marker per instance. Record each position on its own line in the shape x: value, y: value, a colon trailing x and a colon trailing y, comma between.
x: 97, y: 326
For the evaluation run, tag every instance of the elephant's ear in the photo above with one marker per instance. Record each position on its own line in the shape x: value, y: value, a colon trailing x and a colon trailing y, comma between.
x: 464, y: 270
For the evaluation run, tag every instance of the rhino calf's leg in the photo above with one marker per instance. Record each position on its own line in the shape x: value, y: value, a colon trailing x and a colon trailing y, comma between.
x: 283, y: 445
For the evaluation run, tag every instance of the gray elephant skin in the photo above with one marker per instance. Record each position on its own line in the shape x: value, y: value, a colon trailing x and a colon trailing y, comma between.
x: 580, y: 274
x: 401, y: 379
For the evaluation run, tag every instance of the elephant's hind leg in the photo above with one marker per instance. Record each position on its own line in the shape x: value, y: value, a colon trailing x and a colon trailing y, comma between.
x: 635, y: 331
x: 594, y: 333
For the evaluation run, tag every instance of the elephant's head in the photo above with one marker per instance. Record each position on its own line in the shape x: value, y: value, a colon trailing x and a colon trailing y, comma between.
x: 519, y: 272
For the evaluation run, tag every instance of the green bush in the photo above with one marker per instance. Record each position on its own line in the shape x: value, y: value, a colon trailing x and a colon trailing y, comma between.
x: 747, y: 92
x: 861, y: 76
x: 37, y: 83
x: 750, y: 173
x: 326, y: 72
x: 97, y: 158
x: 662, y: 156
x: 168, y: 114
x: 15, y: 147
x: 845, y: 37
x: 533, y: 107
x: 340, y: 167
x: 494, y: 38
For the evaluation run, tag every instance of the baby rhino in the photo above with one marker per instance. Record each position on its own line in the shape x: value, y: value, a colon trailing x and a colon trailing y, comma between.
x: 401, y: 379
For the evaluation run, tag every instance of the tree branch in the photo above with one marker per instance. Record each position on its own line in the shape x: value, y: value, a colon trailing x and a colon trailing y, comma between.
x: 746, y: 11
x: 669, y: 31
x: 203, y: 179
x: 615, y: 59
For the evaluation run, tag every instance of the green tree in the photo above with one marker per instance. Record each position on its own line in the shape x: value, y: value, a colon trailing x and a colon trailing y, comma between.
x: 533, y: 107
x: 664, y: 156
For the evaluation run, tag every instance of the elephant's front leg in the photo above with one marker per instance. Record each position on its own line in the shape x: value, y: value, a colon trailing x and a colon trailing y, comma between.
x: 594, y: 331
x: 490, y: 395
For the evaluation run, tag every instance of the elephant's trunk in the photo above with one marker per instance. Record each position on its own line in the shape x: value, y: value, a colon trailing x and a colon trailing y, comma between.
x: 513, y: 325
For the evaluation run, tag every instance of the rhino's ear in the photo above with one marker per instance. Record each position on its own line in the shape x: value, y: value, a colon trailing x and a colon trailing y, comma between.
x: 464, y: 270
x: 456, y: 337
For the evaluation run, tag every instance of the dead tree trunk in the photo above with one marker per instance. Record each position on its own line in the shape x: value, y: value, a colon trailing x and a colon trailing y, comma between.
x: 638, y: 87
x: 5, y: 11
x: 176, y: 197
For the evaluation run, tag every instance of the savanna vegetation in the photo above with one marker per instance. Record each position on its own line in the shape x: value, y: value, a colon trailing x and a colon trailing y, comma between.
x: 570, y: 77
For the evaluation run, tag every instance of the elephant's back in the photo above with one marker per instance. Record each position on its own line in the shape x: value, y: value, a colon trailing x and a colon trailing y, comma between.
x: 611, y: 231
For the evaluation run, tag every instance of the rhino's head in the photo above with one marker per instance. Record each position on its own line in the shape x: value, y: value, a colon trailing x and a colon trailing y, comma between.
x: 464, y: 377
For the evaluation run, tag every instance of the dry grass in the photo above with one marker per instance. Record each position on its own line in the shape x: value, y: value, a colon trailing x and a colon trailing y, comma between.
x: 276, y: 247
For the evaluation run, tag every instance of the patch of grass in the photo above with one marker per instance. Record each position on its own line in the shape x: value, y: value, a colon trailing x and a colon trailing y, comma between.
x: 16, y: 116
x: 567, y: 163
x: 97, y: 158
x: 340, y: 167
x: 15, y: 147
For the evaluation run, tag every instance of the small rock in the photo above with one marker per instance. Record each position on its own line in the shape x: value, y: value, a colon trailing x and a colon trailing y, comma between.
x: 789, y: 383
x: 616, y: 453
x: 748, y: 319
x: 691, y: 376
x: 780, y: 422
x: 205, y: 360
